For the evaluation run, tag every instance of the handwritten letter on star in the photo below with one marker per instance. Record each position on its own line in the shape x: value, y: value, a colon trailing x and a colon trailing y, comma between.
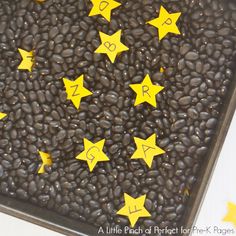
x: 134, y: 208
x: 166, y: 23
x: 147, y: 149
x: 93, y: 153
x: 75, y: 90
x: 146, y: 92
x: 111, y: 45
x: 104, y: 8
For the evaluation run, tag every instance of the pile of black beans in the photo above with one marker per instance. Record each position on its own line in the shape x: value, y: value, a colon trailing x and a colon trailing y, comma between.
x: 198, y: 73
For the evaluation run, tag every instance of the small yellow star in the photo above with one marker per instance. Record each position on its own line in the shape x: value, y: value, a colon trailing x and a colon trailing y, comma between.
x: 231, y: 215
x: 40, y: 1
x: 27, y: 60
x: 46, y: 159
x: 147, y: 149
x: 104, y: 8
x: 134, y: 208
x: 146, y: 92
x: 93, y: 153
x: 162, y: 70
x: 166, y: 23
x: 111, y: 45
x: 2, y: 115
x: 75, y: 90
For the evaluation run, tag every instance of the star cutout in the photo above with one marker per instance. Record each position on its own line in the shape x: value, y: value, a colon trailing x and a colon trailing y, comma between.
x: 111, y: 45
x: 2, y: 115
x: 75, y: 90
x: 146, y: 92
x: 166, y: 23
x: 46, y: 159
x: 27, y: 60
x: 134, y: 208
x: 93, y: 153
x: 147, y: 149
x: 231, y: 215
x: 104, y: 8
x: 40, y: 1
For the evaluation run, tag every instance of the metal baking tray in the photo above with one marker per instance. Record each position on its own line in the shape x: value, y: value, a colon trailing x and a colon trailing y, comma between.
x: 67, y: 226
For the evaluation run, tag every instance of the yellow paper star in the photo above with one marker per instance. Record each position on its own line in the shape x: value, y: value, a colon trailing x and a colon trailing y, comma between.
x: 27, y: 60
x: 147, y: 149
x: 166, y: 23
x: 46, y: 159
x: 93, y: 153
x: 162, y: 70
x: 134, y: 208
x: 146, y: 92
x: 111, y: 45
x: 2, y: 115
x: 104, y: 8
x: 75, y: 90
x: 231, y: 215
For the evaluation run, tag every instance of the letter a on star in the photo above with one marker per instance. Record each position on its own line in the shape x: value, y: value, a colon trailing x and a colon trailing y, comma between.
x: 104, y: 8
x: 111, y: 45
x: 146, y: 92
x: 75, y: 90
x: 147, y: 149
x: 93, y: 153
x: 134, y: 208
x: 166, y: 23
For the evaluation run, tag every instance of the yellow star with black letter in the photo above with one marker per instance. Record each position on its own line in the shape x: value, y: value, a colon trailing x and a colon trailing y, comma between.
x: 147, y: 149
x: 47, y: 161
x: 134, y: 208
x: 104, y: 8
x: 27, y: 60
x: 231, y: 215
x: 93, y: 153
x: 146, y: 92
x: 111, y: 45
x: 166, y: 23
x: 75, y: 90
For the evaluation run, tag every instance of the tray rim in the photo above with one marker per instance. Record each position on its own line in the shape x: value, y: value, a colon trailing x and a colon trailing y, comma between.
x: 61, y: 224
x: 204, y: 178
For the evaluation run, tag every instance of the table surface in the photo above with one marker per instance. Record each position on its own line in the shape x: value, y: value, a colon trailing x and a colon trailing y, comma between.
x: 221, y: 191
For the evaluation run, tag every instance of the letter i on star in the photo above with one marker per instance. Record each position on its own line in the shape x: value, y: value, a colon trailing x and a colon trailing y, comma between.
x: 104, y: 8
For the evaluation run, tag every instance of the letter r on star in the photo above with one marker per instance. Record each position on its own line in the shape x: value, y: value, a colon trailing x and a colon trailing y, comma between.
x: 146, y: 92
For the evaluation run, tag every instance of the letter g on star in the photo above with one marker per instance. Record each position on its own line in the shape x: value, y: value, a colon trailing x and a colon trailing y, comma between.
x: 93, y: 153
